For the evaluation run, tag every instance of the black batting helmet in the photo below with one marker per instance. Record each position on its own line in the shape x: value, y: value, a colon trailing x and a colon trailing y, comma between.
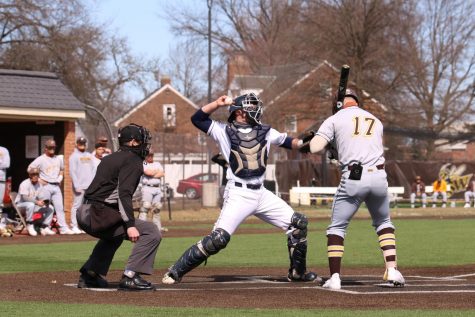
x: 348, y: 93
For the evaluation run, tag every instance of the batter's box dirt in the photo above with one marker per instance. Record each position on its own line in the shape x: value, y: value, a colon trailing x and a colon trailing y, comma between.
x: 356, y: 284
x: 262, y: 287
x: 370, y: 285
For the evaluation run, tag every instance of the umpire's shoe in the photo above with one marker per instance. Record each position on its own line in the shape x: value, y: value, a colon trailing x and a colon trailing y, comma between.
x: 136, y: 283
x: 306, y: 277
x: 90, y: 279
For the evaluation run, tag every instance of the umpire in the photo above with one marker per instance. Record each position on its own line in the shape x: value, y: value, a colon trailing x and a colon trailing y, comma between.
x: 107, y: 214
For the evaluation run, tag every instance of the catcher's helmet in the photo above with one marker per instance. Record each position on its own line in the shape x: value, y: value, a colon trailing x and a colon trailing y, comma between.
x: 249, y: 103
x: 348, y: 93
x: 136, y: 132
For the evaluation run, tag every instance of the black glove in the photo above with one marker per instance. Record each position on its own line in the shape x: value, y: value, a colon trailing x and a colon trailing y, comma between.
x: 332, y: 152
x: 307, y: 137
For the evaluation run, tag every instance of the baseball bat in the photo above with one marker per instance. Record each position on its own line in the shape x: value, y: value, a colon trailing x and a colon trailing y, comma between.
x: 344, y: 74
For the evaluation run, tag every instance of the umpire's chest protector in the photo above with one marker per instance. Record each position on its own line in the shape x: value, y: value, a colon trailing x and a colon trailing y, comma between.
x: 248, y: 156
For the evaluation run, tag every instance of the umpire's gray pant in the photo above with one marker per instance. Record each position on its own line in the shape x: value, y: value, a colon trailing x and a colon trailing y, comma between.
x: 143, y: 253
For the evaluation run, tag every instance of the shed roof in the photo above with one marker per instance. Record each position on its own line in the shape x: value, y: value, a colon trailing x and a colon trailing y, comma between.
x: 35, y: 90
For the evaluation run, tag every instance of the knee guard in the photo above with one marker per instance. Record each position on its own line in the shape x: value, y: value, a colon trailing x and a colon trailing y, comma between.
x: 297, y: 245
x: 198, y: 253
x: 157, y: 206
x: 146, y: 205
x: 213, y: 243
x: 298, y: 227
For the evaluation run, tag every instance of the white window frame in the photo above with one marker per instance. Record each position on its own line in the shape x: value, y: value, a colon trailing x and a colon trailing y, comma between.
x: 291, y: 123
x: 169, y: 121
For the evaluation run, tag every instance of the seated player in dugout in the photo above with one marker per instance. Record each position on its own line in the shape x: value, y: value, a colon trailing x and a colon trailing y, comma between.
x: 245, y: 142
x: 358, y: 136
x: 440, y: 189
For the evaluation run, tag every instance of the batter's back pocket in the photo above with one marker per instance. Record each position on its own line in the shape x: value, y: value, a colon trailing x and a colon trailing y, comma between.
x: 355, y: 171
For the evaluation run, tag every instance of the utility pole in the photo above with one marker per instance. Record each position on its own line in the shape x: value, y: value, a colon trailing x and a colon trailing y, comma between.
x: 210, y: 4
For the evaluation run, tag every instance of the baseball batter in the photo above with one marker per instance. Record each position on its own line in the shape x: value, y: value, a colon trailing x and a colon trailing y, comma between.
x: 358, y: 136
x: 151, y: 191
x: 245, y: 143
x: 51, y: 175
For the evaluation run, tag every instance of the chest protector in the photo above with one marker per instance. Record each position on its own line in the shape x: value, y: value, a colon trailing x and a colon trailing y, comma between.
x: 248, y: 157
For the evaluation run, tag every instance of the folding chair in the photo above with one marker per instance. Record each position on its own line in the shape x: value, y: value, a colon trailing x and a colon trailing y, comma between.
x: 22, y: 224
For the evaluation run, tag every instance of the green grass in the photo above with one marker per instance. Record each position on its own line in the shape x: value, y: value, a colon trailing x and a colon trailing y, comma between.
x: 421, y: 243
x: 22, y: 309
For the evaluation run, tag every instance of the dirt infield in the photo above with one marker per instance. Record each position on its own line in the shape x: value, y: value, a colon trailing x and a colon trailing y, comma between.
x: 427, y: 288
x: 435, y: 288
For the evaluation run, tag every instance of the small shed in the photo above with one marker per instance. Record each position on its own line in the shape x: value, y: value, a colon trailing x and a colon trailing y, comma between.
x: 35, y: 106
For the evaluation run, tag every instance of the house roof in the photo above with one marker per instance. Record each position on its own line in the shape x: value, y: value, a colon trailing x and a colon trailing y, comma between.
x: 144, y: 101
x: 293, y: 75
x: 35, y: 90
x: 244, y: 82
x: 288, y: 76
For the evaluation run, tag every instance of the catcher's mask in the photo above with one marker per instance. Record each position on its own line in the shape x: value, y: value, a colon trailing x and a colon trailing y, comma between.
x: 348, y: 93
x: 250, y: 104
x: 140, y: 134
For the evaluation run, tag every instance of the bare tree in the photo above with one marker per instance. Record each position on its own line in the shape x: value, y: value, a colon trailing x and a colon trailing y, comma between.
x: 59, y: 36
x: 440, y: 64
x: 363, y: 34
x: 262, y: 30
x: 187, y: 67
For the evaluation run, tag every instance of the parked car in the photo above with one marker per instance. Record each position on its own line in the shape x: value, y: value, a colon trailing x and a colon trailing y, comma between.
x: 192, y: 187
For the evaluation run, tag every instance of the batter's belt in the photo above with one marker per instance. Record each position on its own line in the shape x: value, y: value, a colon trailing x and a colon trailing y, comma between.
x: 379, y: 167
x: 250, y: 186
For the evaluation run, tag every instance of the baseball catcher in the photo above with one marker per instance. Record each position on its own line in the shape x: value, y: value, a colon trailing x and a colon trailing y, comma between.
x: 244, y: 142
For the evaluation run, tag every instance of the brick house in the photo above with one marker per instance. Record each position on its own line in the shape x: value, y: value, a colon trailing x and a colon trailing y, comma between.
x: 166, y: 113
x: 35, y: 106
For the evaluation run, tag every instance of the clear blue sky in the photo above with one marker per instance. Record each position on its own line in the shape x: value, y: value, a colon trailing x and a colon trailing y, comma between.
x: 140, y: 21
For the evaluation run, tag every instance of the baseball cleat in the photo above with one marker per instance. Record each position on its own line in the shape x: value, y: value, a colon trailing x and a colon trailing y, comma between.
x: 31, y: 230
x: 467, y: 205
x: 334, y: 282
x: 90, y: 279
x: 306, y: 277
x: 134, y: 284
x: 168, y: 279
x: 76, y: 230
x: 47, y: 232
x: 393, y: 278
x: 66, y: 231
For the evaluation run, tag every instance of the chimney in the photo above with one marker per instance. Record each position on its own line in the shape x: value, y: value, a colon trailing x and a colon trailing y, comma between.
x: 165, y: 80
x: 238, y: 64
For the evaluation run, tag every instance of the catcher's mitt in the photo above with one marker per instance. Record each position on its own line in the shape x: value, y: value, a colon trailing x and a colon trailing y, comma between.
x: 307, y: 137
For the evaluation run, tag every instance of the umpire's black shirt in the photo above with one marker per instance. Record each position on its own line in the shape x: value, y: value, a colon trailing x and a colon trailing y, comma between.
x: 117, y: 176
